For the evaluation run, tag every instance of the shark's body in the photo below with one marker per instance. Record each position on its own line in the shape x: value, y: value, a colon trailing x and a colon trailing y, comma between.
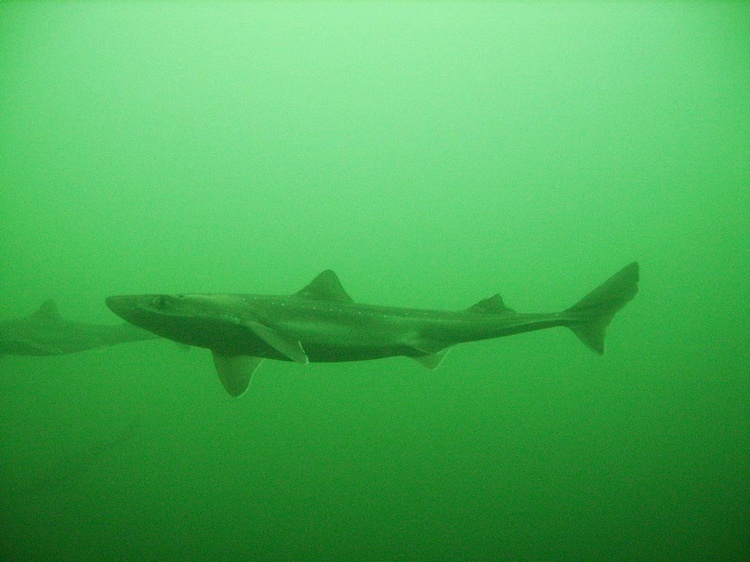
x: 47, y: 333
x: 322, y: 323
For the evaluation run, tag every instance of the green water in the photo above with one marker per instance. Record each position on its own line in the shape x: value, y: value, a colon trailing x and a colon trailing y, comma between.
x: 432, y: 155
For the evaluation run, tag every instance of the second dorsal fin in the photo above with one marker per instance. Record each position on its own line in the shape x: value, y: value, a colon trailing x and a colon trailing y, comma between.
x: 490, y: 305
x: 325, y: 287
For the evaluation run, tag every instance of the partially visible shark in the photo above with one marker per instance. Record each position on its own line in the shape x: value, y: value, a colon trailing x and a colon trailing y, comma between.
x: 322, y: 323
x: 47, y: 333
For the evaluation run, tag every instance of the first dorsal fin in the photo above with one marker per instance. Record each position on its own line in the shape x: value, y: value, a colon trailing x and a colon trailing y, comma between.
x: 48, y: 311
x: 490, y: 305
x: 325, y: 287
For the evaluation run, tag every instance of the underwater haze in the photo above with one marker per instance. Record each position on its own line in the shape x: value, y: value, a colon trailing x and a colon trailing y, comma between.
x: 431, y: 154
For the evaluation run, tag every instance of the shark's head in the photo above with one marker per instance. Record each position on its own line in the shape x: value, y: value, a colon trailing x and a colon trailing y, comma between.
x: 199, y: 320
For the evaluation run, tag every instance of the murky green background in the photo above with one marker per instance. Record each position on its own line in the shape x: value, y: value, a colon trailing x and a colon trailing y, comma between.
x: 432, y: 154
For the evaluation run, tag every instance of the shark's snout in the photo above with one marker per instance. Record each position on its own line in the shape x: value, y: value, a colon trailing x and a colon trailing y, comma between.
x: 123, y: 305
x: 115, y: 304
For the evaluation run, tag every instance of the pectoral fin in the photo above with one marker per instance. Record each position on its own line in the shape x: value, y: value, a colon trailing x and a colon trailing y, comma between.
x: 286, y: 346
x: 235, y: 371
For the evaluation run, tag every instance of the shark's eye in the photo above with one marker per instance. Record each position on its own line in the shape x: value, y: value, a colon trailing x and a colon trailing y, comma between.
x: 159, y: 302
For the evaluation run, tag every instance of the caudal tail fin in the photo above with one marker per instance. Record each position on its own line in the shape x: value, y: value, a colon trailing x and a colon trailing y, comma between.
x: 591, y: 315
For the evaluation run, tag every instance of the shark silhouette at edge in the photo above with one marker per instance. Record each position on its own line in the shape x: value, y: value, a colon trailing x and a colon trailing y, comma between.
x: 322, y: 323
x: 46, y: 332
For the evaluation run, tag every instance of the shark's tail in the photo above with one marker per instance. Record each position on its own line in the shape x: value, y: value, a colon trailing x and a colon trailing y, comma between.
x: 591, y: 315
